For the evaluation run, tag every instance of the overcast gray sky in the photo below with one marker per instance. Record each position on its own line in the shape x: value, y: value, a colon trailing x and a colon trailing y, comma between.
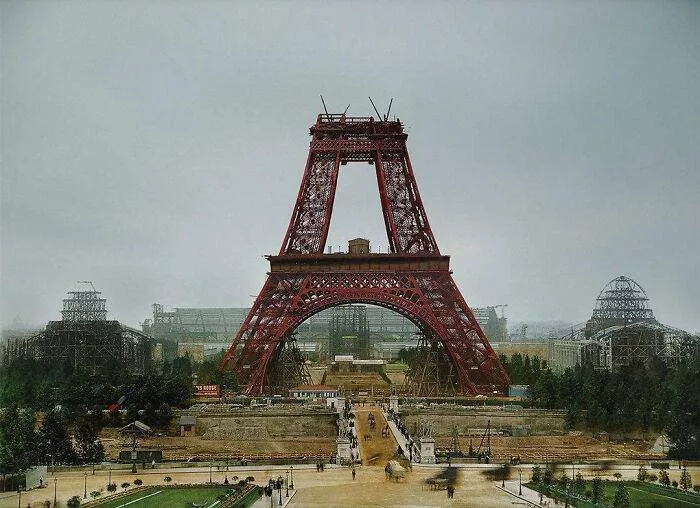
x: 156, y: 148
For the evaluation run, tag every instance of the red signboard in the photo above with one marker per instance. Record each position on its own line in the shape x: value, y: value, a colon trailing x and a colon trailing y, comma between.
x: 207, y: 391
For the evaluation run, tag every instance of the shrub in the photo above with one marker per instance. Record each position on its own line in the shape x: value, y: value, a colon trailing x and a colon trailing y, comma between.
x: 537, y: 475
x: 167, y: 479
x: 138, y: 482
x: 73, y: 502
x: 126, y: 485
x: 686, y: 480
x: 597, y: 490
x: 653, y: 477
x: 622, y: 497
x: 95, y: 494
x: 696, y: 488
x: 642, y: 475
x: 674, y: 483
x: 111, y: 487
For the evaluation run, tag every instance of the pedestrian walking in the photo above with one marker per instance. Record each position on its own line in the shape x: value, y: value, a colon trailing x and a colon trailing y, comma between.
x: 353, y: 472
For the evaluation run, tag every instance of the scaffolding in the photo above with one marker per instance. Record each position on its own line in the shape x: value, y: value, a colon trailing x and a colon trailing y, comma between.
x: 431, y: 373
x: 348, y: 331
x: 288, y: 368
x: 84, y: 339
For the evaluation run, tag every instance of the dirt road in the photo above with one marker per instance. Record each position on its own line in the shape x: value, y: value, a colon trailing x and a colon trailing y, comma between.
x: 375, y: 450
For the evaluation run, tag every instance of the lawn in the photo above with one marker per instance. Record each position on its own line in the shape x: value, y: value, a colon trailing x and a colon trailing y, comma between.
x: 169, y: 496
x: 642, y: 495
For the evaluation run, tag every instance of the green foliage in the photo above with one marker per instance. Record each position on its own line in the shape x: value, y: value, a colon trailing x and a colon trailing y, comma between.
x: 622, y: 497
x: 55, y: 440
x: 167, y: 479
x: 138, y: 482
x: 579, y: 483
x: 642, y: 475
x: 18, y: 450
x: 125, y: 485
x: 563, y: 481
x: 537, y: 474
x: 686, y: 480
x: 95, y: 494
x: 111, y: 487
x: 43, y: 385
x: 638, y: 396
x: 548, y: 477
x: 73, y: 502
x: 663, y: 478
x: 597, y: 490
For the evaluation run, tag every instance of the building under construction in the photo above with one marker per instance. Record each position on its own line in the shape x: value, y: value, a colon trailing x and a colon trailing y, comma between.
x: 622, y: 329
x: 213, y: 327
x: 85, y: 339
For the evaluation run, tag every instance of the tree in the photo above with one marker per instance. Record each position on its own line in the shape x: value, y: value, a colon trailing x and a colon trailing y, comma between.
x: 597, y: 490
x: 138, y: 482
x: 167, y: 479
x: 564, y: 481
x: 622, y: 497
x: 18, y: 450
x: 686, y: 481
x: 55, y: 440
x: 663, y: 478
x: 548, y: 477
x: 642, y: 475
x: 579, y: 483
x: 111, y: 487
x: 537, y: 475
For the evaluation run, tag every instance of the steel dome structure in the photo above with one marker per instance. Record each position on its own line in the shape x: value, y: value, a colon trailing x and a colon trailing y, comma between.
x: 621, y: 302
x: 623, y: 329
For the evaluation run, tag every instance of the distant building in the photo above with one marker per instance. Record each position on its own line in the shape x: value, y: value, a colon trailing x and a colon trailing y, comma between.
x: 313, y: 392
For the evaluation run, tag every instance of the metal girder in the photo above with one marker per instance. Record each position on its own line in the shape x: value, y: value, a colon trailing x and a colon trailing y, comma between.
x: 413, y: 280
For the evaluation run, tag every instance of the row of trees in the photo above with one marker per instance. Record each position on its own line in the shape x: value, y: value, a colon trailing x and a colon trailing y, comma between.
x: 652, y: 396
x: 60, y: 439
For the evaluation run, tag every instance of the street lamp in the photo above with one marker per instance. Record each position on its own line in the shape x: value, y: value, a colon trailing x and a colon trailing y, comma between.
x: 520, y: 488
x: 85, y: 486
x: 109, y: 482
x: 55, y: 480
x: 287, y: 483
x: 279, y: 487
x: 19, y: 493
x: 210, y: 471
x: 291, y: 476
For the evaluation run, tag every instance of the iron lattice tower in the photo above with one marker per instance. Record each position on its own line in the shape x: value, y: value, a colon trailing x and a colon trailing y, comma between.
x: 413, y: 279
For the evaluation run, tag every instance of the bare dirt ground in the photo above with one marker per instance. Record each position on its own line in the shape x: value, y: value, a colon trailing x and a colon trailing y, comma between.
x: 556, y: 448
x: 183, y: 448
x: 376, y: 450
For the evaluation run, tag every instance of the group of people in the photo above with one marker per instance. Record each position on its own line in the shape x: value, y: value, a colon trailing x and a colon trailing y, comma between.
x: 319, y: 467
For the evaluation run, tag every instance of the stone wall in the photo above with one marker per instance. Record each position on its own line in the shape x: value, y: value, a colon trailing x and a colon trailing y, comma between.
x: 222, y: 421
x: 474, y: 420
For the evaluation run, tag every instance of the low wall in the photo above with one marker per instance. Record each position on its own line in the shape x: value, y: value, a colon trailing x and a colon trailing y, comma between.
x: 472, y: 420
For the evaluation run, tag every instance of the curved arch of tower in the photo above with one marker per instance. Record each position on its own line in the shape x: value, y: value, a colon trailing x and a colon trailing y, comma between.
x: 413, y: 279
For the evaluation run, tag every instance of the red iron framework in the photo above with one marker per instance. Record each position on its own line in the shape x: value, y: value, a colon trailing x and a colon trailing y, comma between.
x: 414, y: 279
